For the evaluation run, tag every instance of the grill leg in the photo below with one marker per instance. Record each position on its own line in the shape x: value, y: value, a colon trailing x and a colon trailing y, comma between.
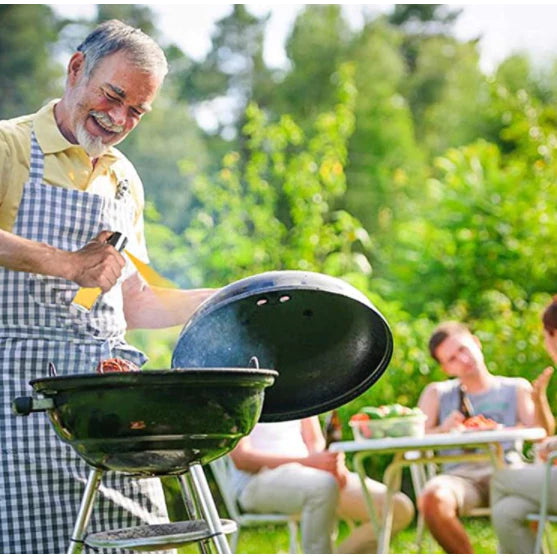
x: 192, y: 510
x: 208, y: 508
x: 85, y: 509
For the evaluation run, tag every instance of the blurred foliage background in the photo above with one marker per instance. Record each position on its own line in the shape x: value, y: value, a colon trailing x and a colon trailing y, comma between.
x: 383, y: 156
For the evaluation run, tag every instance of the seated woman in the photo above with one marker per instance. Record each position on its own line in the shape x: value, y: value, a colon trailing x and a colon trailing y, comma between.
x: 284, y: 467
x: 516, y: 492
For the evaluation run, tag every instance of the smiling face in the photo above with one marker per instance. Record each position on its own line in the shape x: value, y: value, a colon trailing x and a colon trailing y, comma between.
x: 100, y: 110
x: 460, y: 355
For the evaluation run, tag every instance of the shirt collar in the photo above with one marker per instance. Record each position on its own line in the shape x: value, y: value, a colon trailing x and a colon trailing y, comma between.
x: 49, y: 136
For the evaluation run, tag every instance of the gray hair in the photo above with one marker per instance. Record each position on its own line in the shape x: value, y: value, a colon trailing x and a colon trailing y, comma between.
x: 113, y: 35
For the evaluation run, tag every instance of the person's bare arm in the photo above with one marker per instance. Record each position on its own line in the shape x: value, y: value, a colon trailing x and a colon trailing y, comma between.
x: 525, y: 408
x: 247, y: 458
x: 313, y: 435
x: 429, y: 405
x: 147, y: 307
x: 97, y: 264
x: 542, y: 410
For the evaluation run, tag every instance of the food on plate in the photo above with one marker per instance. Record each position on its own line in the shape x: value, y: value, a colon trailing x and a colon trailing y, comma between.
x: 387, y: 420
x: 480, y: 422
x: 116, y: 365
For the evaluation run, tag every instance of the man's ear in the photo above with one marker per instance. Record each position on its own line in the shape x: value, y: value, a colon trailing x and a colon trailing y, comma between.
x: 477, y: 341
x: 76, y: 67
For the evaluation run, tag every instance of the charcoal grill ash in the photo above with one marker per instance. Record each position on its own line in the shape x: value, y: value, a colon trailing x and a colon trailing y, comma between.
x: 326, y: 340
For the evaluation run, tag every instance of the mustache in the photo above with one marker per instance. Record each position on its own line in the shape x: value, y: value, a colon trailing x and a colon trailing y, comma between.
x: 106, y: 121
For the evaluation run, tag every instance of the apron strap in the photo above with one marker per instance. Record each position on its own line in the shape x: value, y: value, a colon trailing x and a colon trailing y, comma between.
x: 36, y: 169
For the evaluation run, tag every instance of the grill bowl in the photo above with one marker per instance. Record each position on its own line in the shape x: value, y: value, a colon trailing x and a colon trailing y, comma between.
x: 155, y: 422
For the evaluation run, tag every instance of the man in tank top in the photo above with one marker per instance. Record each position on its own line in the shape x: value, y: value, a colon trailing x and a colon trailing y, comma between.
x: 508, y: 401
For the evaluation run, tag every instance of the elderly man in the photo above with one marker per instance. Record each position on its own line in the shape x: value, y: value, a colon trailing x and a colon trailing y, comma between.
x: 63, y: 190
x: 506, y: 400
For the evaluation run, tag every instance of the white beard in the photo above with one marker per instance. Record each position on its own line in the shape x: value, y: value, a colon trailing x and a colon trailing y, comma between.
x: 93, y: 146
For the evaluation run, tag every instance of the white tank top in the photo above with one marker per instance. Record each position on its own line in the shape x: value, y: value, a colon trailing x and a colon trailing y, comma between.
x: 284, y: 438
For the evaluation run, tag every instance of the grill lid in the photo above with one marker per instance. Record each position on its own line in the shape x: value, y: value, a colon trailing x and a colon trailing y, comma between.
x: 324, y: 337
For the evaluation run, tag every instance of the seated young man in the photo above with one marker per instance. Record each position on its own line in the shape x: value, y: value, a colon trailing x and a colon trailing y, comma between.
x: 508, y: 401
x: 516, y: 493
x: 284, y: 467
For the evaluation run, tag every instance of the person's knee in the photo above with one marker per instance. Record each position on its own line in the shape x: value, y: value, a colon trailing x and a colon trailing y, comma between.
x: 323, y: 487
x: 403, y: 511
x: 500, y: 515
x: 510, y: 509
x: 437, y: 500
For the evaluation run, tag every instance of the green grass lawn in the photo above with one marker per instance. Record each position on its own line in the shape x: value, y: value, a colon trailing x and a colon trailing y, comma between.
x: 274, y: 539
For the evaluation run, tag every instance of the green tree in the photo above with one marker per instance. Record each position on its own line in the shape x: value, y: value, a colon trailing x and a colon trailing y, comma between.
x: 233, y: 68
x: 315, y: 48
x: 274, y: 209
x: 29, y: 72
x: 475, y: 234
x: 428, y: 17
x: 448, y: 94
x: 385, y: 163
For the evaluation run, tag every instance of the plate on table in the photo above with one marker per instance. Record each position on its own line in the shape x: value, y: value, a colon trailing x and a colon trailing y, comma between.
x: 480, y: 423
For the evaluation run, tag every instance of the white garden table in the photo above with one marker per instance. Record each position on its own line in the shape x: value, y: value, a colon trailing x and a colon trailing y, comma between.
x: 488, y: 443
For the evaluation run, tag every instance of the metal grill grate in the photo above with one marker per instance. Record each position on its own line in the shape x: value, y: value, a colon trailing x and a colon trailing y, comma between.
x: 156, y: 536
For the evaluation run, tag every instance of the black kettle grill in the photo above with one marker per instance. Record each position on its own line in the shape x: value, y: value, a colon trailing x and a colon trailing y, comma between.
x: 325, y: 339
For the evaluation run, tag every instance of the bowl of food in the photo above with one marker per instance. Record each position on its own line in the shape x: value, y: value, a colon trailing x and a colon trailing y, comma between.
x: 391, y: 420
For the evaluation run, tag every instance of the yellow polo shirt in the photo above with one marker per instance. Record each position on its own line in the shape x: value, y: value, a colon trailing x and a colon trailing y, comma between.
x: 65, y: 165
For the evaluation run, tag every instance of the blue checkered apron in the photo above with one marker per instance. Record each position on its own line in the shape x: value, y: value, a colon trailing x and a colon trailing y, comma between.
x: 42, y: 479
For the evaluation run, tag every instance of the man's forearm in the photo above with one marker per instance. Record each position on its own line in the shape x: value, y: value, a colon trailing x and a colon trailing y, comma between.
x: 148, y: 307
x: 21, y: 254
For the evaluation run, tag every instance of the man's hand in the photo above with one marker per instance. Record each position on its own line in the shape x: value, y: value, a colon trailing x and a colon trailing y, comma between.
x: 453, y: 421
x: 97, y: 264
x: 329, y: 462
x: 539, y: 384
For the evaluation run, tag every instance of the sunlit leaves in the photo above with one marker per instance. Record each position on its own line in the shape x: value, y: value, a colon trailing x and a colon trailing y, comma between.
x: 272, y: 206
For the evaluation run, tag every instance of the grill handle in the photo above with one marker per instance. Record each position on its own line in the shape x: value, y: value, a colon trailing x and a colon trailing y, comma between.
x: 24, y: 405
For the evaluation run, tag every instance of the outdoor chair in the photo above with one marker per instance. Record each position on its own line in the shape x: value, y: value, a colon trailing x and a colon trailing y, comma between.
x: 542, y: 517
x: 222, y: 469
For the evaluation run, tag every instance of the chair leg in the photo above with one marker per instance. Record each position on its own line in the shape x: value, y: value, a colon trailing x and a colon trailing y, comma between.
x: 293, y: 530
x: 538, y: 548
x: 543, y: 540
x: 419, y: 532
x: 234, y: 539
x: 548, y: 540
